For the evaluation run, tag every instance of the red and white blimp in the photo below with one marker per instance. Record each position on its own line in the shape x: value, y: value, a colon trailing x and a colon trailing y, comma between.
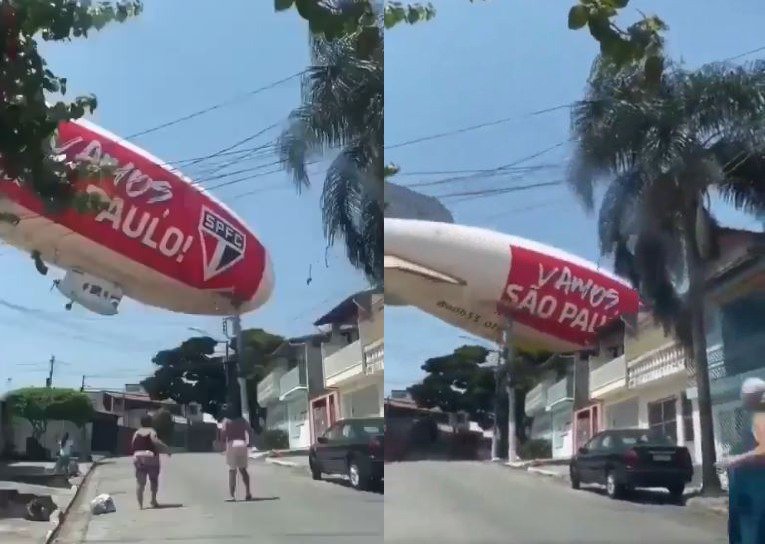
x: 475, y: 278
x: 163, y: 240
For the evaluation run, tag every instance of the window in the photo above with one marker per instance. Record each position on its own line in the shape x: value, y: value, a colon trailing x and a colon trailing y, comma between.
x: 95, y: 290
x: 608, y: 442
x: 662, y: 417
x: 687, y: 418
x: 348, y: 431
x: 85, y: 286
x: 596, y: 443
x: 333, y: 433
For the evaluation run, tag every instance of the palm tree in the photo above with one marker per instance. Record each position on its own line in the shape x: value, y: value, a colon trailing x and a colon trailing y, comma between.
x: 342, y: 111
x: 663, y: 151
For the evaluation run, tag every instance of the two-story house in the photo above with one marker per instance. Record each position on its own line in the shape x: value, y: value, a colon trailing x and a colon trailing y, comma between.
x: 294, y: 377
x: 735, y: 337
x: 549, y: 406
x: 353, y: 360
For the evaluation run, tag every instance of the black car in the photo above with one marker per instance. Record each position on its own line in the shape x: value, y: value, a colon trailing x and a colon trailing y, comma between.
x: 353, y: 447
x: 626, y: 459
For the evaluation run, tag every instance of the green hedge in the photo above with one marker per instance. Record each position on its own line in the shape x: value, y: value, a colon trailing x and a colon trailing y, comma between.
x: 535, y: 449
x: 275, y: 439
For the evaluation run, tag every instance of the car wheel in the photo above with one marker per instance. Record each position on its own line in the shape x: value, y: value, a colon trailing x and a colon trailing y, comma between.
x: 613, y: 488
x: 575, y: 480
x: 315, y: 471
x: 356, y: 476
x: 676, y: 491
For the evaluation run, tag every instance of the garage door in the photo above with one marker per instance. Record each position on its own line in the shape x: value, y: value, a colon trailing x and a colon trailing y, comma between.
x: 622, y: 415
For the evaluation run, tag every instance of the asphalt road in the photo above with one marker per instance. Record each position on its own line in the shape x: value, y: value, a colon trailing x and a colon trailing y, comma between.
x: 290, y: 508
x: 479, y: 503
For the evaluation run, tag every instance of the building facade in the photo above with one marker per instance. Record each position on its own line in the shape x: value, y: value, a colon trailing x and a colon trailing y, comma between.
x: 295, y: 376
x: 352, y: 360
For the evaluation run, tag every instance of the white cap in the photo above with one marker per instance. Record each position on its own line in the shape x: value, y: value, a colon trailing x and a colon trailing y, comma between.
x: 752, y: 385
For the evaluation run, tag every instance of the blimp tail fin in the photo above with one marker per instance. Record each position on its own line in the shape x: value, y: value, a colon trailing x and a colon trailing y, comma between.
x: 396, y: 263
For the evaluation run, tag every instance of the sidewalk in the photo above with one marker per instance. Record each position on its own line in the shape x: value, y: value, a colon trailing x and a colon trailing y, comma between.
x: 24, y: 481
x: 560, y: 471
x: 285, y: 458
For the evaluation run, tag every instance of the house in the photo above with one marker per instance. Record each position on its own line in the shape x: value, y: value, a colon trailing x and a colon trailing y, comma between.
x: 353, y: 361
x: 295, y: 376
x: 639, y: 376
x: 637, y: 379
x: 735, y: 338
x: 549, y: 407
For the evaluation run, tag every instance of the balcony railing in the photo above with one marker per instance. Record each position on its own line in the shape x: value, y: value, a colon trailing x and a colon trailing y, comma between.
x: 268, y: 388
x: 374, y: 357
x: 609, y: 377
x: 536, y: 399
x: 657, y: 364
x: 716, y: 362
x: 560, y: 391
x: 343, y: 359
x: 292, y: 380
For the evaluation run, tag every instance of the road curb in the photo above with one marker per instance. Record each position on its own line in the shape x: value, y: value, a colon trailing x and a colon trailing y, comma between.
x: 62, y: 514
x: 281, y: 462
x: 547, y: 473
x: 698, y: 504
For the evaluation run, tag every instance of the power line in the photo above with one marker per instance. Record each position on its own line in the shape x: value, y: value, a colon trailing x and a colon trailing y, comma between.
x: 497, y: 170
x: 217, y: 106
x: 502, y: 190
x: 520, y: 117
x: 486, y: 124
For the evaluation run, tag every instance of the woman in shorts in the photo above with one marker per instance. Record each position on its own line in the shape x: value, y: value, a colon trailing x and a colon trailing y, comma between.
x: 146, y: 448
x: 235, y: 434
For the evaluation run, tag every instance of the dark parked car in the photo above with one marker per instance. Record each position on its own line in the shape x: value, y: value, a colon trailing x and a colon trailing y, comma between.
x: 626, y: 459
x: 353, y: 447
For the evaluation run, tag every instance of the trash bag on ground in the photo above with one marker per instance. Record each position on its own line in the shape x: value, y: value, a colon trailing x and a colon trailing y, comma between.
x: 103, y: 504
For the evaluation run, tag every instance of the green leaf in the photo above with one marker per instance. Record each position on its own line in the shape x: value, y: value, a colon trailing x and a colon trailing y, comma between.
x: 619, y: 4
x: 577, y: 17
x: 282, y: 5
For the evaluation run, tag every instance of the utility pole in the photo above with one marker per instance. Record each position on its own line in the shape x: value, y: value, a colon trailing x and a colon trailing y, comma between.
x: 508, y: 354
x: 49, y: 379
x: 82, y: 387
x: 241, y: 367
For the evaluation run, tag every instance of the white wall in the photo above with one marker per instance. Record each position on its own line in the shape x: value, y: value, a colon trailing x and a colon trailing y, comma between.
x: 22, y: 430
x: 299, y: 427
x: 366, y: 401
x: 622, y: 414
x: 562, y: 432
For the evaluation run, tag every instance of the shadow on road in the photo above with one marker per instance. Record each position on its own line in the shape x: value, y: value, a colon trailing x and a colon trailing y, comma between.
x: 262, y: 499
x: 642, y: 496
x: 168, y: 506
x: 339, y: 480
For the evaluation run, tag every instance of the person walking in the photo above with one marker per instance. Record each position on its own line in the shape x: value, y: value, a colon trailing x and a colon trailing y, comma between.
x: 146, y: 447
x: 65, y: 446
x: 235, y: 434
x: 746, y: 475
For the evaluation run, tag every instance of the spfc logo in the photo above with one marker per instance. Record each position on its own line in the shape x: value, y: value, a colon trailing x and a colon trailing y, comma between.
x: 223, y: 244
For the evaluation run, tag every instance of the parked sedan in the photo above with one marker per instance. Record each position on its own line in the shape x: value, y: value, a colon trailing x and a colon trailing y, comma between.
x: 353, y: 447
x: 626, y: 459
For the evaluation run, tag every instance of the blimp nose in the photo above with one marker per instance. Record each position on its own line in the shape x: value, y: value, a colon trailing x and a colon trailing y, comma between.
x: 266, y: 287
x: 426, y: 243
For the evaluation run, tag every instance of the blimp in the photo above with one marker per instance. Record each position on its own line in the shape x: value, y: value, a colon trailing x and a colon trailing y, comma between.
x: 160, y: 239
x: 481, y: 281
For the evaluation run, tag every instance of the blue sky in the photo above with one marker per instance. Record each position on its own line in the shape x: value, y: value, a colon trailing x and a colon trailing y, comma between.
x: 176, y: 58
x: 484, y: 61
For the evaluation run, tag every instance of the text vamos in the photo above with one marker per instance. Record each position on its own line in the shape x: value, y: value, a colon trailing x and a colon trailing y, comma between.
x: 558, y: 294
